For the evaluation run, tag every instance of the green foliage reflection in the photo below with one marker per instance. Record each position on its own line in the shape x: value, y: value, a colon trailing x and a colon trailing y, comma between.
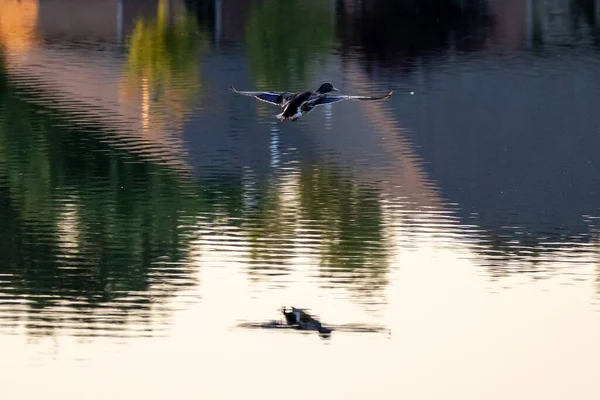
x: 284, y: 38
x: 350, y: 219
x: 164, y: 54
x: 346, y: 221
x: 84, y: 222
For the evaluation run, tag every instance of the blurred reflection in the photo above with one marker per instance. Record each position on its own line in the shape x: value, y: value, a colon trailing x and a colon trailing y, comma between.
x: 573, y: 23
x: 17, y: 24
x: 586, y: 13
x: 512, y: 251
x: 332, y: 220
x: 285, y: 40
x: 96, y: 237
x: 163, y: 68
x: 522, y: 172
x: 348, y: 219
x: 90, y: 239
x: 272, y: 225
x: 391, y: 32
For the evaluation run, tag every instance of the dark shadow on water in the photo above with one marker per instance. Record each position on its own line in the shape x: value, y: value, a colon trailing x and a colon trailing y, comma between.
x: 398, y: 35
x: 393, y: 33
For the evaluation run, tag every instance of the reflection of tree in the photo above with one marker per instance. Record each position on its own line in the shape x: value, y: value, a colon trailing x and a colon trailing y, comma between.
x: 344, y: 217
x: 349, y: 220
x: 271, y: 225
x: 82, y: 223
x: 585, y: 12
x: 163, y: 56
x: 510, y: 251
x: 390, y: 31
x: 284, y: 38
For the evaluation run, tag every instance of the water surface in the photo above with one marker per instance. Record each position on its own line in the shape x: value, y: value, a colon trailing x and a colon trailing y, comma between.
x: 150, y: 216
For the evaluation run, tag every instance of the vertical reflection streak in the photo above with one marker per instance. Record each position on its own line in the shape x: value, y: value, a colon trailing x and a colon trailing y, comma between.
x: 120, y: 21
x: 274, y: 145
x: 145, y: 105
x: 218, y: 22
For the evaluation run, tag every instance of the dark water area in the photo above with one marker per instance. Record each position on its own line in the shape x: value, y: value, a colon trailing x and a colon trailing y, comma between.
x: 153, y: 222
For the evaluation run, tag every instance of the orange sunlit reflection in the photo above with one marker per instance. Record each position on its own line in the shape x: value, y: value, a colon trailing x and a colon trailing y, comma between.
x: 18, y: 20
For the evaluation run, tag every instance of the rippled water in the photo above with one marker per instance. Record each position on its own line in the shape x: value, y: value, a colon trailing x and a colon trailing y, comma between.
x: 154, y: 223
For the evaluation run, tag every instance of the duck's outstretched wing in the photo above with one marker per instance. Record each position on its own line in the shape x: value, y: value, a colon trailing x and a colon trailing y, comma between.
x: 329, y: 99
x: 268, y: 97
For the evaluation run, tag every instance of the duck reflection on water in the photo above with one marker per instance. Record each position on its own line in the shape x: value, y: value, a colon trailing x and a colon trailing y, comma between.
x: 302, y: 320
x: 299, y: 319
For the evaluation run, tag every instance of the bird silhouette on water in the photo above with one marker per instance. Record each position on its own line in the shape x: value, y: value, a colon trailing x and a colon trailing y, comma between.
x: 302, y: 320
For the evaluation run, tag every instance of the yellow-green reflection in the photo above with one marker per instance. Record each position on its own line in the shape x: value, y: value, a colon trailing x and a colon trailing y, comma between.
x: 343, y: 227
x: 350, y: 220
x: 285, y: 39
x: 163, y: 59
x: 272, y: 224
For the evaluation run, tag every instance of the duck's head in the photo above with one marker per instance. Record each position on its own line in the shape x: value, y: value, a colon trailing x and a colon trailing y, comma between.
x: 326, y: 88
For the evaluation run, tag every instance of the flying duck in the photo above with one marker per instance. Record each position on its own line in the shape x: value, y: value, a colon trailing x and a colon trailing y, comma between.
x: 297, y: 104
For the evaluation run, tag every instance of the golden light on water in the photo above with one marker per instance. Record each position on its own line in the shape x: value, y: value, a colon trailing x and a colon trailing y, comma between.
x: 18, y: 20
x: 68, y: 225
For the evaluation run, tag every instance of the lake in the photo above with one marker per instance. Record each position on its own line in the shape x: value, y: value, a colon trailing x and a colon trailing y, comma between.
x: 154, y: 222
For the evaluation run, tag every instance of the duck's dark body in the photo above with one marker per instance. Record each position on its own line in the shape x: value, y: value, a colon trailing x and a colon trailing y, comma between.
x: 297, y: 104
x: 294, y: 105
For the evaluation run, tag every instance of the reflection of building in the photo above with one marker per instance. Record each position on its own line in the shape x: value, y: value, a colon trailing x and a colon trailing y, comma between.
x: 510, y: 23
x: 233, y: 15
x: 95, y: 21
x: 91, y: 21
x: 521, y: 23
x: 554, y: 22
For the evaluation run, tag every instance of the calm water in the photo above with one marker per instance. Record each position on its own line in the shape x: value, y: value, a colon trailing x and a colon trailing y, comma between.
x: 149, y: 215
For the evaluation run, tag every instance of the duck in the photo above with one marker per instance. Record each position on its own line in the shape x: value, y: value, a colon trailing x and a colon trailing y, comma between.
x: 297, y: 104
